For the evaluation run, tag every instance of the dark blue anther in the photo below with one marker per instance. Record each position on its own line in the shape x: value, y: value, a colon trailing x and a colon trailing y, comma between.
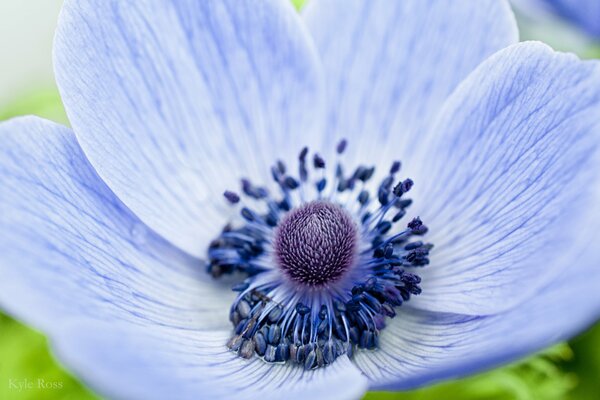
x: 302, y: 309
x: 341, y: 147
x: 231, y: 197
x: 417, y: 227
x: 285, y: 205
x: 248, y: 214
x: 275, y: 174
x: 283, y: 352
x: 310, y: 359
x: 329, y: 352
x: 365, y: 217
x: 303, y: 153
x: 275, y: 314
x: 399, y: 215
x: 274, y: 334
x: 383, y: 227
x: 389, y: 251
x: 372, y: 302
x: 321, y: 184
x: 368, y: 174
x: 413, y: 245
x: 318, y: 161
x: 300, y: 354
x: 403, y: 203
x: 383, y: 196
x: 395, y: 167
x: 243, y: 308
x: 387, y: 183
x: 281, y: 167
x: 240, y: 326
x: 260, y: 344
x: 413, y: 279
x: 291, y: 183
x: 363, y: 197
x: 367, y: 340
x: 403, y: 187
x: 320, y: 358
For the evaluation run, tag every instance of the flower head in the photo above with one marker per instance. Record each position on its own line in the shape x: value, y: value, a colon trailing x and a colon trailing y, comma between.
x: 261, y: 146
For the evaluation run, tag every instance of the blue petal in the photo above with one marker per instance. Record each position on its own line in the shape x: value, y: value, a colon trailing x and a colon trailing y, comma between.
x: 507, y: 186
x: 420, y: 347
x: 134, y: 316
x: 174, y: 101
x: 585, y: 14
x: 129, y: 363
x: 390, y: 65
x: 70, y: 249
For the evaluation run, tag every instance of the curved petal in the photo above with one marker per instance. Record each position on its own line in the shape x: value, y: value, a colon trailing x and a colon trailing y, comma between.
x: 126, y: 362
x: 174, y: 101
x: 508, y: 186
x: 390, y: 65
x: 70, y: 249
x: 421, y: 347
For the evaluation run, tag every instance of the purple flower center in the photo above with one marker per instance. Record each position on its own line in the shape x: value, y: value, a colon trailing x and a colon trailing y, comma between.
x: 316, y: 244
x: 326, y: 260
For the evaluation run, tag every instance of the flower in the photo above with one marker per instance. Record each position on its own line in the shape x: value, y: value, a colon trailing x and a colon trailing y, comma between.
x: 103, y: 228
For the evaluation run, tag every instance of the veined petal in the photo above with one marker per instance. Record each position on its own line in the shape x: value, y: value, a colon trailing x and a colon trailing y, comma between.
x: 70, y: 249
x: 421, y: 347
x: 174, y: 101
x: 126, y: 362
x: 507, y: 187
x: 390, y: 65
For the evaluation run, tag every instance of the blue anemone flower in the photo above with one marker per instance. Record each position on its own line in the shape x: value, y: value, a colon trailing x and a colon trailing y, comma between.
x: 236, y: 143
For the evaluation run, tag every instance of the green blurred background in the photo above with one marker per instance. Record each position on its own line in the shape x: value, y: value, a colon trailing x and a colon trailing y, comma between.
x: 566, y: 371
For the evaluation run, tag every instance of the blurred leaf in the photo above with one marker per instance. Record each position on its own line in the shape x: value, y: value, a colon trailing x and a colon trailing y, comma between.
x: 298, y: 4
x: 537, y: 377
x: 28, y: 371
x: 586, y: 364
x: 45, y: 103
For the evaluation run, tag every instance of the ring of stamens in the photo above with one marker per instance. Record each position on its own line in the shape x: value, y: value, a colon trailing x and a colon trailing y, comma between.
x: 324, y: 273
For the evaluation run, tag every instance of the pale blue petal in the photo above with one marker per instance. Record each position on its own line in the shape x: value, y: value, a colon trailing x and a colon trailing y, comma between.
x: 129, y: 363
x: 390, y: 65
x: 70, y: 249
x: 585, y: 14
x: 174, y: 101
x: 420, y: 347
x: 507, y: 185
x: 134, y: 316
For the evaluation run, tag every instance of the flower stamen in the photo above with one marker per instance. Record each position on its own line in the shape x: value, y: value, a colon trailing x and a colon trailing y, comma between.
x: 324, y: 267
